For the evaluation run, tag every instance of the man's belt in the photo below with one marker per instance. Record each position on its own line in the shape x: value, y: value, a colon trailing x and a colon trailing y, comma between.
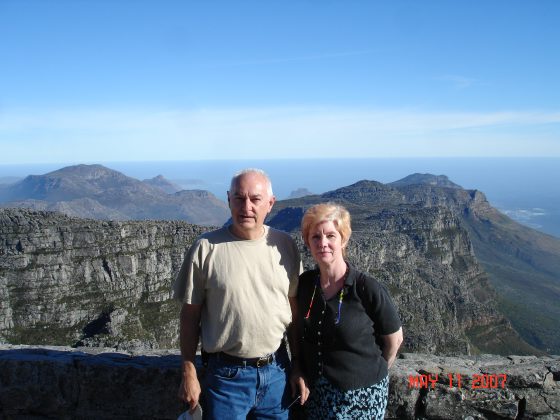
x: 234, y: 360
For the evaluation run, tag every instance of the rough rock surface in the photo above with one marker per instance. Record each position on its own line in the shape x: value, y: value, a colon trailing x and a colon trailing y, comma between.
x: 69, y: 281
x: 86, y: 383
x: 425, y: 256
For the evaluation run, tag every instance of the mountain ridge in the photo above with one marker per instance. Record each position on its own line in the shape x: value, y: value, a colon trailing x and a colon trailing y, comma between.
x: 163, y: 184
x: 425, y: 179
x: 448, y: 240
x: 102, y: 193
x: 508, y: 261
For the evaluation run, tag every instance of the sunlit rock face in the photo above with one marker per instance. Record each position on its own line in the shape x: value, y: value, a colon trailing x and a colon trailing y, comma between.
x: 69, y: 281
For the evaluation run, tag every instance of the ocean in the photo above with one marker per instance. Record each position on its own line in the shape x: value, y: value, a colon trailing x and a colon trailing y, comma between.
x: 527, y: 189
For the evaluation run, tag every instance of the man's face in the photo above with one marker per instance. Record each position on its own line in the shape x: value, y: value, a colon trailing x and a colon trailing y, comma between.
x: 249, y: 203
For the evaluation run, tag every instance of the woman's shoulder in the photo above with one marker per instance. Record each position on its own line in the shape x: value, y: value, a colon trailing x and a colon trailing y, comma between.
x: 309, y: 275
x: 306, y: 282
x: 366, y: 281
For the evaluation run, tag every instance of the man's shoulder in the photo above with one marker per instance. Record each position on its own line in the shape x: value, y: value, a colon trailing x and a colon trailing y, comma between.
x: 210, y: 240
x: 215, y: 236
x: 282, y: 240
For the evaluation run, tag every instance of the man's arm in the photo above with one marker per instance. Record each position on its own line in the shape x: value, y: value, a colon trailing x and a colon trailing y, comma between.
x: 189, y: 390
x: 391, y: 344
x: 297, y: 381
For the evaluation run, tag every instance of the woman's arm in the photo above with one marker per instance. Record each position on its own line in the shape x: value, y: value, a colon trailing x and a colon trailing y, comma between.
x: 297, y: 381
x: 391, y: 344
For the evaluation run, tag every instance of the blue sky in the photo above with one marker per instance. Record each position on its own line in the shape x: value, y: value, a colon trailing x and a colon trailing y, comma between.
x: 122, y: 80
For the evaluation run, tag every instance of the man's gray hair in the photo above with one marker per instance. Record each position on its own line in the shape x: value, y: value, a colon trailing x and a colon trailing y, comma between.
x: 252, y: 171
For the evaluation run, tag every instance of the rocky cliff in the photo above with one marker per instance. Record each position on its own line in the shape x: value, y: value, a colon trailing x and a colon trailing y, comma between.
x: 425, y: 256
x: 84, y: 383
x: 68, y: 281
x: 432, y: 230
x: 75, y: 281
x: 522, y: 263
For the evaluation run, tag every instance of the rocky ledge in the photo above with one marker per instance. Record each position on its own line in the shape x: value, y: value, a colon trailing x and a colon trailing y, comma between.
x: 87, y: 383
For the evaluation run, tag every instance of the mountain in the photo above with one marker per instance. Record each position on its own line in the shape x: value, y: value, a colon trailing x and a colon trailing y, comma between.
x: 70, y: 281
x: 426, y: 179
x: 163, y: 184
x: 522, y: 264
x: 300, y: 192
x: 442, y: 248
x: 94, y: 191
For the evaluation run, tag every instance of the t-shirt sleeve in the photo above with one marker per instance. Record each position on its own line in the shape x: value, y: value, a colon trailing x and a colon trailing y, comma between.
x: 189, y: 285
x: 380, y: 307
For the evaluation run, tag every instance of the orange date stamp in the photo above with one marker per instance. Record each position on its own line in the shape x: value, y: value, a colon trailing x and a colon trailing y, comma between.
x: 477, y: 381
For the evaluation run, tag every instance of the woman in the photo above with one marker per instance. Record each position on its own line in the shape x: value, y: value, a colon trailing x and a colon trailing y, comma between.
x: 351, y: 329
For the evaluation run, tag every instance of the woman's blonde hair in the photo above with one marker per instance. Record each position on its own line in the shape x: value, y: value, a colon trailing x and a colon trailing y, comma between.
x: 326, y: 212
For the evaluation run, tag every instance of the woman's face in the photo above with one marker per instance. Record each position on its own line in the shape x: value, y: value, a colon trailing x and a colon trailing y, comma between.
x: 325, y: 243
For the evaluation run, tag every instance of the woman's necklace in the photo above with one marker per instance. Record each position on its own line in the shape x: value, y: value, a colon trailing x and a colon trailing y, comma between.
x: 340, y: 295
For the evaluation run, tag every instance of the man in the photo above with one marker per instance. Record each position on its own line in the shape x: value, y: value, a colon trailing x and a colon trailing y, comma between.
x: 238, y: 287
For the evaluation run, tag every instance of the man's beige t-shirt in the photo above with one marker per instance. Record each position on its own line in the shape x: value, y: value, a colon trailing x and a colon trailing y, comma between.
x: 243, y: 287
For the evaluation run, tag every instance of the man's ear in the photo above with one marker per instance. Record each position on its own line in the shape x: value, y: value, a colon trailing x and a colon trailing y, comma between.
x: 228, y: 203
x: 271, y: 202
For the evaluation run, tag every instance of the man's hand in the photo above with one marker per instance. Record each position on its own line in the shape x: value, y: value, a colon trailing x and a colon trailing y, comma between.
x: 189, y: 390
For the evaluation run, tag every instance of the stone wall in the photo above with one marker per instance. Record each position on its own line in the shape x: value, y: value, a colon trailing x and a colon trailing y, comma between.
x: 87, y: 383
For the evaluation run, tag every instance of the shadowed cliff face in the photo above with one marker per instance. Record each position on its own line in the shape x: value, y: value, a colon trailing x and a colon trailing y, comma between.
x: 418, y: 245
x: 522, y: 264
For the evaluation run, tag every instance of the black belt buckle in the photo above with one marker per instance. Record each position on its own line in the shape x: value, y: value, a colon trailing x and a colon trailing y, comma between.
x: 263, y: 361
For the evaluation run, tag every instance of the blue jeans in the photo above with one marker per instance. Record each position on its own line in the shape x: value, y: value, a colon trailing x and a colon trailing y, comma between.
x: 240, y: 392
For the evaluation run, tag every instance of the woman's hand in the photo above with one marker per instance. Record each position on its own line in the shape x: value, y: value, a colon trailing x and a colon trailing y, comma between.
x: 391, y: 344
